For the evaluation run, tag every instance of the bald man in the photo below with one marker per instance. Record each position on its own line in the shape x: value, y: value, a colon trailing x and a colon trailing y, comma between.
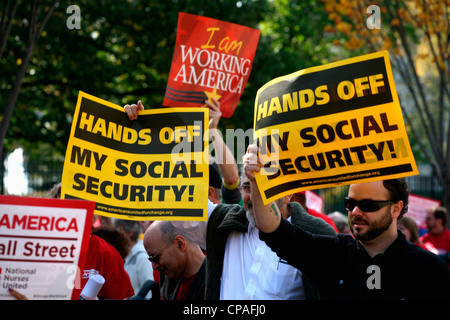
x: 179, y: 261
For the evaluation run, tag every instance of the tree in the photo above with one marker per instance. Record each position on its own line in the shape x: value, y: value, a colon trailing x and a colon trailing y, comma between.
x: 123, y: 53
x: 34, y: 29
x: 416, y: 32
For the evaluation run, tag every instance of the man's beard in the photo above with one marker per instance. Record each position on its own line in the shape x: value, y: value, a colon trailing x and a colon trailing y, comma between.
x: 374, y: 229
x: 249, y: 214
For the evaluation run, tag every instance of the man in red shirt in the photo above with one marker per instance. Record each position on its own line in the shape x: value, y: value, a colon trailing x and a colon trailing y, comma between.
x: 103, y: 259
x: 438, y: 234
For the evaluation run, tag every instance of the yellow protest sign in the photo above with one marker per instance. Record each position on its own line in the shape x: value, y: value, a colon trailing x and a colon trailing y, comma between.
x: 152, y: 168
x: 335, y: 124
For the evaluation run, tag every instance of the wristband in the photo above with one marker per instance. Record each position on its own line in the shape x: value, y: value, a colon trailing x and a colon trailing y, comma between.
x: 232, y: 186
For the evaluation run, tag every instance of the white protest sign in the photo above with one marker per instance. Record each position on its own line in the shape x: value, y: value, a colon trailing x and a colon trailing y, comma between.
x: 43, y: 243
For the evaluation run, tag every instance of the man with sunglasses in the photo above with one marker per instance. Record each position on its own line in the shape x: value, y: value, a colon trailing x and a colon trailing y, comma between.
x: 378, y: 262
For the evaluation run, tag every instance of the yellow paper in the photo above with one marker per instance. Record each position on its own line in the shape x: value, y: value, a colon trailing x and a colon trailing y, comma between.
x: 336, y: 124
x: 152, y: 168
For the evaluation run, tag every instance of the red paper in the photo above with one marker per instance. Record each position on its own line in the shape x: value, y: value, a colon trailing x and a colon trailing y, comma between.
x: 212, y: 58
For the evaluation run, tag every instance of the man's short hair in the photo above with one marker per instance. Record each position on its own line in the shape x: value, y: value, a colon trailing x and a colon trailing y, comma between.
x: 130, y: 226
x: 399, y: 190
x: 440, y: 213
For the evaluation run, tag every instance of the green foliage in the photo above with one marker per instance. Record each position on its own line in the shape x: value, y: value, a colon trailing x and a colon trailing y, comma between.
x: 123, y: 53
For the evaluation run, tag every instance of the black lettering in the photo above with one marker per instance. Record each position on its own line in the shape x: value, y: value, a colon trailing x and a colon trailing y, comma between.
x: 322, y: 164
x: 120, y: 165
x: 178, y: 192
x: 269, y: 167
x: 360, y: 152
x: 99, y: 161
x: 347, y: 156
x: 282, y: 142
x: 340, y: 133
x: 385, y: 122
x: 194, y: 173
x: 134, y: 169
x: 151, y: 169
x: 298, y: 164
x: 79, y: 157
x: 377, y: 151
x: 149, y: 193
x: 311, y: 138
x: 166, y: 169
x: 286, y: 165
x: 355, y: 127
x: 137, y: 192
x: 117, y: 194
x: 370, y: 124
x: 79, y: 179
x: 92, y: 185
x: 162, y: 192
x: 265, y: 145
x: 180, y: 168
x: 103, y: 186
x: 330, y: 133
x: 334, y: 157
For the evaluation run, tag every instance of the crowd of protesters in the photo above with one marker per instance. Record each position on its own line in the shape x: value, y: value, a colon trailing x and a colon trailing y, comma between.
x: 283, y: 250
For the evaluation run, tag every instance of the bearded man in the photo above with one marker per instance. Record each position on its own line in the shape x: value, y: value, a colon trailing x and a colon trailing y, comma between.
x: 377, y: 263
x: 240, y: 266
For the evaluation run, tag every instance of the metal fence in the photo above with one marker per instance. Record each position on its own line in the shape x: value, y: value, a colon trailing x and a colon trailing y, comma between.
x: 43, y: 175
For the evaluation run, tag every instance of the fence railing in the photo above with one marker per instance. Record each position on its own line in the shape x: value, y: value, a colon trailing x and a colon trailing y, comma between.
x: 43, y: 175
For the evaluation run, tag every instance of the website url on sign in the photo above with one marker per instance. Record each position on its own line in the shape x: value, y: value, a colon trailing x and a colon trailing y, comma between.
x: 135, y: 212
x: 347, y: 177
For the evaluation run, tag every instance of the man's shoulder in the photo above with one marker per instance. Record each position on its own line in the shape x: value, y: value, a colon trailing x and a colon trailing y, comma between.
x: 227, y: 215
x: 420, y: 256
x: 224, y: 209
x: 447, y: 233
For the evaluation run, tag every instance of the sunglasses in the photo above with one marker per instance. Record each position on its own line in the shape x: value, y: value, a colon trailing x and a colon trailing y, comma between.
x: 366, y: 205
x: 155, y: 257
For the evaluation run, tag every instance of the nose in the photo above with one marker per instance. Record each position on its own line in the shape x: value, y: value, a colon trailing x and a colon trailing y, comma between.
x: 155, y: 265
x: 356, y: 211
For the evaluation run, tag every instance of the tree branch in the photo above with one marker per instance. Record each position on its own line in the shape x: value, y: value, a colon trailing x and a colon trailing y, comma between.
x: 6, y: 23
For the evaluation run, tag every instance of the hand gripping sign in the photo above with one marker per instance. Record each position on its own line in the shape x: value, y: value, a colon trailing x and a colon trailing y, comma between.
x: 335, y: 124
x: 212, y: 59
x: 152, y: 168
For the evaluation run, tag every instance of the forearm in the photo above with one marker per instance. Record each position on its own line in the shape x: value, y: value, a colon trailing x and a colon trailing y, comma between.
x: 267, y: 216
x: 225, y: 159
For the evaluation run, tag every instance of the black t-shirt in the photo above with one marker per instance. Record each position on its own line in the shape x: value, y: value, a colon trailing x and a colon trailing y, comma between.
x: 342, y: 269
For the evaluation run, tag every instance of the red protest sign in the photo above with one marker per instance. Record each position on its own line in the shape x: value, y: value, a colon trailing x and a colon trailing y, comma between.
x: 212, y: 59
x: 43, y: 246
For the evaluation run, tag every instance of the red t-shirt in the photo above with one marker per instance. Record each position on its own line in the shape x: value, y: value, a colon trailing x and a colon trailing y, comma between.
x: 104, y: 259
x: 184, y: 288
x: 317, y: 214
x: 440, y: 241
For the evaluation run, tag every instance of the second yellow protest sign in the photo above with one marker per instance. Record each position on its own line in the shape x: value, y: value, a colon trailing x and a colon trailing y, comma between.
x: 151, y: 168
x: 335, y: 124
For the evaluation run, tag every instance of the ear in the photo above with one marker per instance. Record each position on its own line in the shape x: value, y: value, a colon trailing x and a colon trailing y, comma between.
x: 288, y: 199
x: 396, y: 209
x: 211, y: 192
x: 180, y: 242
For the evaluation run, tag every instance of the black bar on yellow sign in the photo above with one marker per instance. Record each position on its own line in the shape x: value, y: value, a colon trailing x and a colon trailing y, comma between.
x: 155, y: 134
